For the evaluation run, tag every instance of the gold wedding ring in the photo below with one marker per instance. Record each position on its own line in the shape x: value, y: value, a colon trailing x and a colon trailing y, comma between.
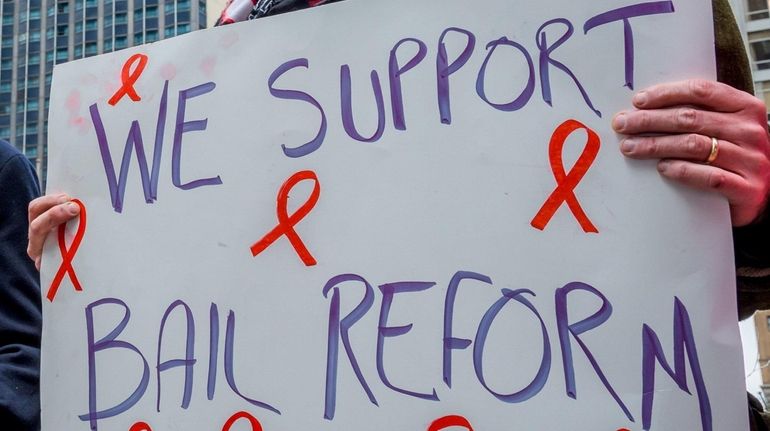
x: 714, y: 151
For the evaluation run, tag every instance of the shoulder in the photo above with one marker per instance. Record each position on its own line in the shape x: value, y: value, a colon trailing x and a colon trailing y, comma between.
x: 17, y: 175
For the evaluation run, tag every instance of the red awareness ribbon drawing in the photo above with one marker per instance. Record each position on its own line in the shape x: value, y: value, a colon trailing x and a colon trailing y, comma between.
x: 68, y: 254
x: 140, y: 426
x: 287, y: 222
x: 255, y: 425
x: 566, y: 182
x: 129, y: 78
x: 450, y: 421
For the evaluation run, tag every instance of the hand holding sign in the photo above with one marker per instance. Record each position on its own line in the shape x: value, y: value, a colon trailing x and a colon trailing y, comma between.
x: 683, y: 117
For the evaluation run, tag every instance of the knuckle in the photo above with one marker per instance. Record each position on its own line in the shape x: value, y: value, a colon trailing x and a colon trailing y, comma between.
x: 644, y: 120
x: 715, y: 180
x: 680, y: 171
x: 36, y: 228
x: 34, y: 206
x: 701, y: 88
x: 687, y: 118
x: 653, y: 146
x: 757, y: 133
x: 693, y: 144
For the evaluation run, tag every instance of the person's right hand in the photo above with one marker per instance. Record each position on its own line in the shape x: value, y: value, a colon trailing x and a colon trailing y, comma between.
x: 46, y: 213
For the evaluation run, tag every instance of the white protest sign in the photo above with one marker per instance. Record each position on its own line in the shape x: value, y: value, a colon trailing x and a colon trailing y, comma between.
x: 387, y: 215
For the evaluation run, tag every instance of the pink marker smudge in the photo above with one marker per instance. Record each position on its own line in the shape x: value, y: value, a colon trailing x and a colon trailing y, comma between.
x: 72, y: 103
x: 208, y: 64
x: 168, y: 71
x: 228, y: 40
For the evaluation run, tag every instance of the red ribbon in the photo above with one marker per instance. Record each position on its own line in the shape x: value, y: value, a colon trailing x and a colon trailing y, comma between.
x: 140, y: 426
x: 566, y: 182
x: 129, y: 78
x: 255, y: 425
x: 450, y: 421
x: 287, y: 222
x: 68, y: 254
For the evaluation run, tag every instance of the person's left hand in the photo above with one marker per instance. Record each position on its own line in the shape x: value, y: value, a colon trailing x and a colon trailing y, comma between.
x: 675, y: 122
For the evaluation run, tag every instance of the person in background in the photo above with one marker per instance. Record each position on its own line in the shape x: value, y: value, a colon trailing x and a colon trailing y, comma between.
x: 20, y: 314
x: 709, y: 135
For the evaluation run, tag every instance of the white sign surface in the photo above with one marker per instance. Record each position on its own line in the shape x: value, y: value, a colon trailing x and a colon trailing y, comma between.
x: 387, y: 215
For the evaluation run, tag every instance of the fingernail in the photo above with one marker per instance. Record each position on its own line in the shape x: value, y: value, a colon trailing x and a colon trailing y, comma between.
x: 619, y: 122
x: 628, y: 145
x: 62, y: 198
x: 663, y: 166
x: 73, y: 208
x: 640, y: 98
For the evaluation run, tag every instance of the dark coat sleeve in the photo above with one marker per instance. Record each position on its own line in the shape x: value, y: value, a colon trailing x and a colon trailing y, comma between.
x: 752, y: 243
x: 20, y: 310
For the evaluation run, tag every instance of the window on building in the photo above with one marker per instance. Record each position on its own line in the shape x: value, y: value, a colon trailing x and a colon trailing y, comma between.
x: 33, y: 60
x: 107, y: 45
x: 79, y: 51
x: 8, y: 19
x: 763, y: 92
x: 79, y: 27
x: 62, y: 30
x: 757, y: 9
x: 61, y: 54
x: 168, y: 7
x: 138, y: 39
x: 92, y: 24
x: 63, y: 6
x: 91, y: 49
x: 169, y: 32
x: 151, y: 36
x: 121, y: 42
x: 121, y: 18
x: 34, y: 36
x: 151, y: 12
x: 182, y: 28
x: 760, y: 49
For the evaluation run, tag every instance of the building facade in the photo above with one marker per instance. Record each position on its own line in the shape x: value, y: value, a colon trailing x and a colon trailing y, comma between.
x: 762, y: 324
x: 35, y: 35
x: 754, y: 16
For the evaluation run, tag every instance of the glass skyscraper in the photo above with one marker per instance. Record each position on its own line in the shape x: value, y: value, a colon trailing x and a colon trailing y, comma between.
x: 36, y: 34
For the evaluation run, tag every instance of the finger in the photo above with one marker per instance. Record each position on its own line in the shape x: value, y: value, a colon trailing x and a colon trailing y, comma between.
x: 44, y: 203
x: 709, y: 94
x: 706, y: 177
x: 682, y: 120
x: 45, y: 223
x: 691, y: 147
